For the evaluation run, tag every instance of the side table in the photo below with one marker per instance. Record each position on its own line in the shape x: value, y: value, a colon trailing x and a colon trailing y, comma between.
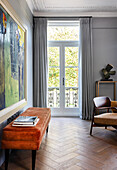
x: 105, y: 82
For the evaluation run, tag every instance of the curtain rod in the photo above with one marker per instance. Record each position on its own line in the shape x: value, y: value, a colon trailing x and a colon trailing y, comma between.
x: 63, y: 17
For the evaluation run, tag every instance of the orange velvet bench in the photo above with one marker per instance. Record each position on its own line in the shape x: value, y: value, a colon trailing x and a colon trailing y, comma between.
x: 28, y: 138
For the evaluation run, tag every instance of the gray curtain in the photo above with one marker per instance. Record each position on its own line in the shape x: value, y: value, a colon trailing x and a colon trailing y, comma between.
x: 40, y: 63
x: 87, y: 67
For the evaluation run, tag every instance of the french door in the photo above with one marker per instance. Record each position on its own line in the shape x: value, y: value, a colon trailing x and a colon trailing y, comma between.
x: 63, y: 81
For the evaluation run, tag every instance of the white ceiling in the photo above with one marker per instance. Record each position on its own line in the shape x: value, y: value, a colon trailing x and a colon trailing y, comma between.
x: 73, y: 7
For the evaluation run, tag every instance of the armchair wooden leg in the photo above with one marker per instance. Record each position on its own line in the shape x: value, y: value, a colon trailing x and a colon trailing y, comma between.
x: 6, y: 158
x: 92, y: 121
x: 91, y: 128
x: 33, y: 159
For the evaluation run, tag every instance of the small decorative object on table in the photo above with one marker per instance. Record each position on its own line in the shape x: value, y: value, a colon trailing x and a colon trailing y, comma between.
x: 106, y: 73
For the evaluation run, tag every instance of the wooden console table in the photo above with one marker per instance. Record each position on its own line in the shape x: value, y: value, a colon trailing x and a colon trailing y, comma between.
x: 105, y: 82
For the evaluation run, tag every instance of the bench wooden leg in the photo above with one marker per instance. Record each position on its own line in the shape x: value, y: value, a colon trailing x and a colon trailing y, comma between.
x: 6, y: 158
x: 47, y: 129
x: 33, y: 159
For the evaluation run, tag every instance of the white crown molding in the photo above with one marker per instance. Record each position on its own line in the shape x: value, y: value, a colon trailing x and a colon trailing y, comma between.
x: 73, y: 14
x: 44, y: 8
x: 35, y: 5
x: 41, y: 5
x: 31, y: 5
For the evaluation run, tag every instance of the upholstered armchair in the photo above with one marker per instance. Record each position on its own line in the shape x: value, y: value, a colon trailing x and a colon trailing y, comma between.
x: 109, y: 117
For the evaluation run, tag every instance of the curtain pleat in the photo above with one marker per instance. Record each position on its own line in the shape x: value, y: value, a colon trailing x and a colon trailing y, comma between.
x: 86, y: 55
x: 40, y: 63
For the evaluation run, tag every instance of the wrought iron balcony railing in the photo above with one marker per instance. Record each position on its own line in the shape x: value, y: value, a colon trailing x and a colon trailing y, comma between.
x: 71, y: 97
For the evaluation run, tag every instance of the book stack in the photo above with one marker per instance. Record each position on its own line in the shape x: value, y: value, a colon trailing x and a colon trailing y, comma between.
x: 26, y: 121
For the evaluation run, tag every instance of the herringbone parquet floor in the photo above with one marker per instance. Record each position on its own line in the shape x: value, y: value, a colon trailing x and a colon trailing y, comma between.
x: 69, y: 146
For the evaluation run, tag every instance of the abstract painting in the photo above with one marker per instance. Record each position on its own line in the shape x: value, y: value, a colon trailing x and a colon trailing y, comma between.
x: 12, y: 38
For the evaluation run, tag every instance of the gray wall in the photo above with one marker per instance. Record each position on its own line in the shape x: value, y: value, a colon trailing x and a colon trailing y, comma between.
x: 23, y: 12
x: 104, y: 49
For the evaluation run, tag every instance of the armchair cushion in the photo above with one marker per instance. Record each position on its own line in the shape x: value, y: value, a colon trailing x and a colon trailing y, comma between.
x: 106, y: 119
x: 114, y: 104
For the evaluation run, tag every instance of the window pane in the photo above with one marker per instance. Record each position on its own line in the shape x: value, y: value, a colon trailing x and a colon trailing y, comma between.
x: 53, y: 88
x: 71, y: 97
x: 71, y: 77
x: 71, y: 56
x: 63, y: 33
x: 54, y: 74
x: 53, y: 56
x: 53, y: 97
x: 54, y: 77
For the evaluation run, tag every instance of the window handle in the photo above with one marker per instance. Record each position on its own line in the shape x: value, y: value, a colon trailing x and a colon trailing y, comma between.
x: 63, y: 81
